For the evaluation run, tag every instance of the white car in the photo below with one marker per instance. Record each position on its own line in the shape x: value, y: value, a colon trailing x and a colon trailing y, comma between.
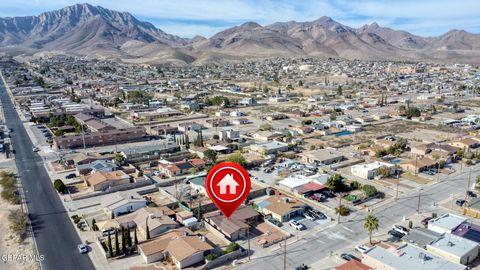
x: 400, y: 229
x: 362, y: 248
x: 309, y: 216
x: 35, y: 149
x: 297, y: 225
x: 82, y: 248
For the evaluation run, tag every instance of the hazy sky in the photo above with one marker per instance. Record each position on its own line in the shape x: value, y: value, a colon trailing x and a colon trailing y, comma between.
x: 187, y: 18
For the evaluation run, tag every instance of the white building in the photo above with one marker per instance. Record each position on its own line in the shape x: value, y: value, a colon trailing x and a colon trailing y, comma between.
x: 445, y: 223
x: 455, y: 249
x: 370, y: 171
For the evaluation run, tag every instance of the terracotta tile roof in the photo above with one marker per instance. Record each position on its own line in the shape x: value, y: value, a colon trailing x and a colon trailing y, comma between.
x: 353, y: 265
x: 100, y: 177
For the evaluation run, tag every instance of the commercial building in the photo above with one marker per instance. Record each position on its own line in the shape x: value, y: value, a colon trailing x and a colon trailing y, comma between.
x: 455, y: 249
x: 445, y: 223
x: 406, y: 257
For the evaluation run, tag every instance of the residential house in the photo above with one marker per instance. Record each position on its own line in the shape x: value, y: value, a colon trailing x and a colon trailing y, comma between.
x: 281, y: 208
x: 466, y: 144
x: 418, y: 164
x: 120, y: 203
x: 158, y: 219
x: 236, y: 226
x: 181, y: 245
x: 102, y: 181
x: 97, y: 166
x: 269, y: 147
x: 322, y: 156
x: 372, y: 170
x: 181, y: 167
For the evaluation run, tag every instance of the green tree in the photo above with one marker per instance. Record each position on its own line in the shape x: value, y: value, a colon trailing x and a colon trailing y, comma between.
x: 237, y: 158
x: 342, y: 210
x: 210, y: 155
x: 232, y: 247
x: 59, y: 185
x: 369, y: 190
x: 370, y: 224
x: 335, y: 183
x: 119, y: 158
x: 354, y: 185
x: 124, y: 241
x: 129, y: 237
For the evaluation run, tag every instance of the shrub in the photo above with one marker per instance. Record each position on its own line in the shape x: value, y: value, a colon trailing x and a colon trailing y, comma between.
x: 18, y: 222
x: 342, y: 210
x: 369, y: 190
x: 210, y: 257
x: 232, y: 247
x: 59, y: 186
x: 354, y: 185
x: 410, y: 224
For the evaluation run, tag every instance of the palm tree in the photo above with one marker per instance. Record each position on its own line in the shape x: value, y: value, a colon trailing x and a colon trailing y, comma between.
x: 371, y: 224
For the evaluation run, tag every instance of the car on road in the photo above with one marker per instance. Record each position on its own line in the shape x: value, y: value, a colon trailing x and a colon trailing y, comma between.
x: 302, y: 267
x: 297, y: 225
x: 396, y: 234
x: 425, y: 220
x: 309, y: 216
x: 35, y: 149
x: 348, y: 257
x: 400, y: 229
x: 471, y: 194
x: 460, y: 202
x: 362, y: 248
x: 82, y: 248
x: 70, y: 176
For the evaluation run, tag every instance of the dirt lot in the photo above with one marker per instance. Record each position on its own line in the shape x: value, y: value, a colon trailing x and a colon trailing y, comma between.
x: 10, y: 245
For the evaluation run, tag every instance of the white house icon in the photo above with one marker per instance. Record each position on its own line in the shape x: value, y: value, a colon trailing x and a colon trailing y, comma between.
x: 229, y: 182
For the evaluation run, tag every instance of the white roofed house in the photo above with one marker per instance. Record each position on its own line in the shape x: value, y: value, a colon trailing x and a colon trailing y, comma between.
x: 455, y: 249
x: 372, y: 170
x: 121, y: 203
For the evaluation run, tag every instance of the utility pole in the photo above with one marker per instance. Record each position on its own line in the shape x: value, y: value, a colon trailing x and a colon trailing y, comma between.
x: 248, y: 237
x: 416, y: 164
x: 83, y: 137
x: 468, y: 183
x: 285, y: 254
x: 451, y: 205
x: 418, y: 204
x: 398, y: 180
x: 438, y: 172
x: 339, y: 206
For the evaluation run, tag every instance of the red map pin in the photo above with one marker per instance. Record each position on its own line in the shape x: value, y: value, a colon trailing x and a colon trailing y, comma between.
x: 228, y: 185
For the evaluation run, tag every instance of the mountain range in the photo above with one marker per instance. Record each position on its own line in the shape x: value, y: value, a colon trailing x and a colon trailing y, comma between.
x: 84, y: 29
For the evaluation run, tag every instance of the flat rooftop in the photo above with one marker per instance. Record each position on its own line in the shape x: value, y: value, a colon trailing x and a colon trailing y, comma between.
x: 409, y: 257
x: 447, y: 221
x: 453, y: 244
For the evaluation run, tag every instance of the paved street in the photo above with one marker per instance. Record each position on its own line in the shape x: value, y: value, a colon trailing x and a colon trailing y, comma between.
x: 54, y: 233
x: 316, y: 246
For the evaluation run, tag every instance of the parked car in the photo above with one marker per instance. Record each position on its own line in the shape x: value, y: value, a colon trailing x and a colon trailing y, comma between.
x: 275, y: 222
x: 400, y: 229
x: 362, y: 248
x: 348, y: 257
x: 426, y: 220
x: 396, y: 234
x: 82, y: 248
x: 297, y: 225
x: 35, y: 149
x: 471, y: 194
x: 302, y: 267
x: 70, y: 176
x: 318, y: 214
x: 309, y: 216
x: 460, y: 202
